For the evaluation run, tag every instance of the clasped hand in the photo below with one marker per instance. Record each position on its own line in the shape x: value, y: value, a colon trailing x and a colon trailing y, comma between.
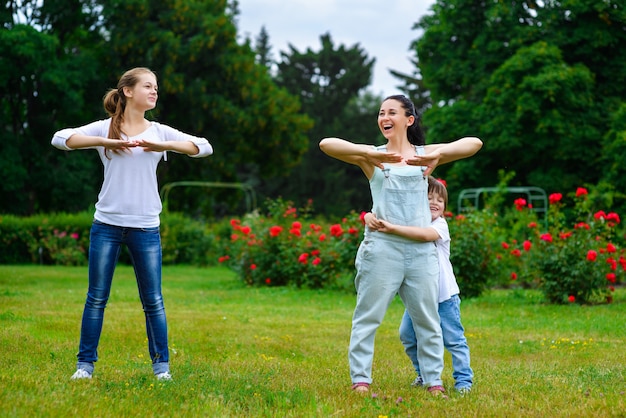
x: 122, y: 145
x: 430, y: 161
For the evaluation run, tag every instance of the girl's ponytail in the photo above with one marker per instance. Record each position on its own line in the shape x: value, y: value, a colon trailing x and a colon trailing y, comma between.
x: 114, y: 104
x: 115, y: 101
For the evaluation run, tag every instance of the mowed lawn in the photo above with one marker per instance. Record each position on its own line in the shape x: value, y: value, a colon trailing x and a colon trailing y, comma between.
x: 282, y: 352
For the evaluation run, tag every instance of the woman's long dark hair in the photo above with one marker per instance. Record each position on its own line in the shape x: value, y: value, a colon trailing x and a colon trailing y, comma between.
x: 415, y: 133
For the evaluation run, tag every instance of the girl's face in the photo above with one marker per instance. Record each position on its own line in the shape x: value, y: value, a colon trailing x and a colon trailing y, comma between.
x: 392, y: 120
x: 144, y: 94
x: 437, y: 205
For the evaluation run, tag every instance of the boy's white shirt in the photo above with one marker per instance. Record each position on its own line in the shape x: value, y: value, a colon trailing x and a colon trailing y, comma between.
x: 448, y: 286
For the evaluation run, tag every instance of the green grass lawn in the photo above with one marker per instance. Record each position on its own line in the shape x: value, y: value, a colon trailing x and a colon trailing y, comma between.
x: 278, y: 352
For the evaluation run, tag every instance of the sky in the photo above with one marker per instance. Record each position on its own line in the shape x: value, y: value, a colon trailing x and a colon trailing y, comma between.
x: 383, y: 29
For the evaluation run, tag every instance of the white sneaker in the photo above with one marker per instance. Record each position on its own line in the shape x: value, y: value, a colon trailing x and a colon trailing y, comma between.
x: 81, y: 374
x: 464, y: 390
x: 164, y: 376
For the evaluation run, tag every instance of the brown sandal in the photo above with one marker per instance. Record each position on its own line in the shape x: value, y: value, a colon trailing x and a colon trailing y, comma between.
x: 361, y: 387
x: 438, y: 390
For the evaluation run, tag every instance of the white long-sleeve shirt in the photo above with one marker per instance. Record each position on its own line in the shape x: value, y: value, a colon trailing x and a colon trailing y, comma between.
x: 129, y: 196
x: 448, y: 286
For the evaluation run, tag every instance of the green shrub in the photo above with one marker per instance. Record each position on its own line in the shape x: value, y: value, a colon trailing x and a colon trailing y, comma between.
x: 471, y: 254
x: 579, y: 263
x: 63, y: 239
x: 186, y: 241
x: 574, y: 254
x: 578, y: 256
x: 59, y: 238
x: 288, y: 247
x: 16, y: 240
x: 512, y: 240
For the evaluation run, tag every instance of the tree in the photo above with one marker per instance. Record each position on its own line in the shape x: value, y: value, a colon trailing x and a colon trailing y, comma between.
x: 51, y: 83
x: 263, y: 49
x: 614, y: 155
x: 413, y: 87
x: 209, y: 85
x: 328, y: 83
x: 538, y: 82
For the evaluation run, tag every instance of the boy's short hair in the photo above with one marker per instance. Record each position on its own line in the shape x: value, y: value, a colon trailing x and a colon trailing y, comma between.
x: 435, y: 186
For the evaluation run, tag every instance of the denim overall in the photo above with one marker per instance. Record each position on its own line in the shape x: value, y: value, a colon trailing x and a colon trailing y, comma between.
x: 388, y: 265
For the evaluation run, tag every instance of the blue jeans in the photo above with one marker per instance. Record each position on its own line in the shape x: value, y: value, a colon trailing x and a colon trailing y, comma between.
x: 453, y: 340
x: 144, y: 245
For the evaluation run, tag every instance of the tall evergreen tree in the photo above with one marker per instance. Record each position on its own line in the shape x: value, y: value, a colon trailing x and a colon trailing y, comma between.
x: 328, y: 83
x: 263, y: 49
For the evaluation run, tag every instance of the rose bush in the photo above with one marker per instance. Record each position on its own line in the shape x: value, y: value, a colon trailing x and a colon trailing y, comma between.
x: 578, y: 256
x: 572, y: 254
x: 286, y: 246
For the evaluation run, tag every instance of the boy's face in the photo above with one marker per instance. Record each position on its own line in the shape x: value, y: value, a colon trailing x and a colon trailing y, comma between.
x: 437, y: 205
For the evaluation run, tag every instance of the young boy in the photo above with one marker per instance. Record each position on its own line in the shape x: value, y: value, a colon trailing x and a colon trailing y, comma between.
x: 449, y: 302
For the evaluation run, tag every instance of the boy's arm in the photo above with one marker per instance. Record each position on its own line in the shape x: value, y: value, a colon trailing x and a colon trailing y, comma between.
x: 415, y: 233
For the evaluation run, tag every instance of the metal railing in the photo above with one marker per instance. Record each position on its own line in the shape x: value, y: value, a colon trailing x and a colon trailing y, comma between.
x: 249, y: 193
x: 535, y: 196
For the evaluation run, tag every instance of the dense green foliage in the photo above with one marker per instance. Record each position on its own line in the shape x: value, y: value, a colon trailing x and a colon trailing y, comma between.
x: 542, y: 83
x: 577, y: 258
x: 72, y: 51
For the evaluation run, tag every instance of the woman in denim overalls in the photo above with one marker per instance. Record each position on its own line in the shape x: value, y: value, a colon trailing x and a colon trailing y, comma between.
x: 387, y: 264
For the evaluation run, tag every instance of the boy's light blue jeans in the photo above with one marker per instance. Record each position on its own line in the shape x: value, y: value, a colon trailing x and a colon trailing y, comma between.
x: 453, y: 340
x: 144, y: 245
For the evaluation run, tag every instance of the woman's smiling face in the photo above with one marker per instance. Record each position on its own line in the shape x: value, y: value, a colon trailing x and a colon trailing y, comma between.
x: 392, y: 119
